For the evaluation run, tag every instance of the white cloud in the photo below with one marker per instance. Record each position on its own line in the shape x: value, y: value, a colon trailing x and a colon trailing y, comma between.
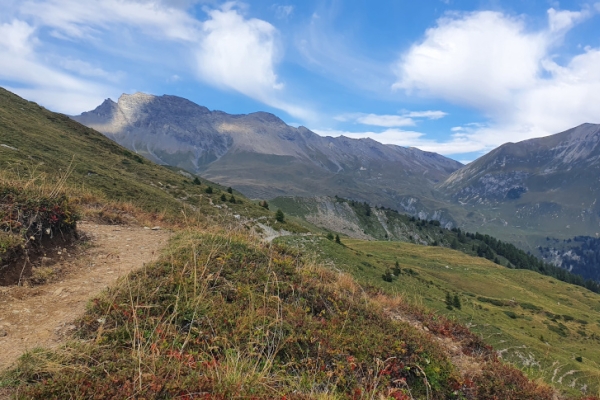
x: 476, y: 59
x: 426, y: 114
x: 458, y: 144
x: 76, y: 19
x: 283, y: 12
x: 37, y: 81
x: 86, y: 69
x: 228, y: 50
x: 491, y: 62
x: 241, y: 54
x: 389, y: 121
x: 562, y: 21
x: 238, y: 53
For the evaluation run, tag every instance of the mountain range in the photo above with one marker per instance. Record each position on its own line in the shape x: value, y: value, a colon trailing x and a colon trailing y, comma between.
x: 263, y: 157
x: 524, y: 193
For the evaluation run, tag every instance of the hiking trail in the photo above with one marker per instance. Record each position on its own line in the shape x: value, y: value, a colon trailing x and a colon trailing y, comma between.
x: 43, y: 316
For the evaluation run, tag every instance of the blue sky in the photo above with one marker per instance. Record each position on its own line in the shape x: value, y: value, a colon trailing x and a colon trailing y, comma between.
x: 455, y: 77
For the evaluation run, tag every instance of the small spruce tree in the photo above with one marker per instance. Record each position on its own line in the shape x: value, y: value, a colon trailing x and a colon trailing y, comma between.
x: 232, y: 199
x: 229, y: 190
x: 223, y: 198
x: 397, y: 270
x: 337, y: 239
x: 280, y: 216
x: 209, y: 190
x: 448, y: 301
x: 330, y: 236
x: 197, y: 181
x: 456, y: 302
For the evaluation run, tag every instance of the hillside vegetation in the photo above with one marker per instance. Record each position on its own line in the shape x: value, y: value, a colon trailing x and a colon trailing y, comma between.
x: 360, y: 220
x: 548, y: 328
x: 224, y: 314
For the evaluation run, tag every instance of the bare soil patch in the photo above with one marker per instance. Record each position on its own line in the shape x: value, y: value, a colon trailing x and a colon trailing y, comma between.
x: 42, y: 316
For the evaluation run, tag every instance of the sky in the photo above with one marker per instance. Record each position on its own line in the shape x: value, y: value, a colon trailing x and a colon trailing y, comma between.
x: 455, y: 77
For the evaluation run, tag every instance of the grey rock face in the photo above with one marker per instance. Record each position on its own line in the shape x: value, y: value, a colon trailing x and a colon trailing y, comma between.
x: 556, y: 161
x: 548, y: 184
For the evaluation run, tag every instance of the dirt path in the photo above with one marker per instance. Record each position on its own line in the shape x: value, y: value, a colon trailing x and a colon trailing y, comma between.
x: 42, y: 315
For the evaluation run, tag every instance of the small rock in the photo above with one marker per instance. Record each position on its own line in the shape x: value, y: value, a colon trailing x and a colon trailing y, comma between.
x: 58, y: 291
x: 426, y: 329
x: 3, y: 333
x: 156, y: 228
x: 147, y: 227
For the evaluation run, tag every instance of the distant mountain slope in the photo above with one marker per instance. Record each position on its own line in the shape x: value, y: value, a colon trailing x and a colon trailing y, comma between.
x: 549, y: 185
x: 264, y: 157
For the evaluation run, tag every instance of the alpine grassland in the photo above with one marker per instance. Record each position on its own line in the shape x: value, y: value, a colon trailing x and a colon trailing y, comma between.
x: 547, y: 328
x: 224, y: 316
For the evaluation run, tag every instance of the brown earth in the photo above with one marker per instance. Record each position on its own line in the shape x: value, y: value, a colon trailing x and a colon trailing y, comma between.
x: 42, y: 316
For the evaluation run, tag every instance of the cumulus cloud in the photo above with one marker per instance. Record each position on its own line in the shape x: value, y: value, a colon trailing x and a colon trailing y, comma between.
x: 475, y: 59
x: 228, y: 49
x: 241, y: 53
x: 490, y: 61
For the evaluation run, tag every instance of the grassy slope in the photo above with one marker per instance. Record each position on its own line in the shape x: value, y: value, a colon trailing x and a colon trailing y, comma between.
x: 539, y: 303
x: 50, y: 143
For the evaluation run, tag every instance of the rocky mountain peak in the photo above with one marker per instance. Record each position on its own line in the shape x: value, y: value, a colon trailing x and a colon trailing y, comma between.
x: 262, y: 156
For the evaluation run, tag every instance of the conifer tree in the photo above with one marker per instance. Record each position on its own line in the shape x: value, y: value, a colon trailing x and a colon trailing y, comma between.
x: 448, y: 301
x: 456, y: 302
x: 397, y: 270
x: 280, y: 216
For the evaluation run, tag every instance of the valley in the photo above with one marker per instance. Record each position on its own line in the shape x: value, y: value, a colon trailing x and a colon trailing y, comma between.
x: 520, y: 192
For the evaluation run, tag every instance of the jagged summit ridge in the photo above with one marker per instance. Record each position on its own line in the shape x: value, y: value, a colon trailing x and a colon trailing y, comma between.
x: 263, y: 156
